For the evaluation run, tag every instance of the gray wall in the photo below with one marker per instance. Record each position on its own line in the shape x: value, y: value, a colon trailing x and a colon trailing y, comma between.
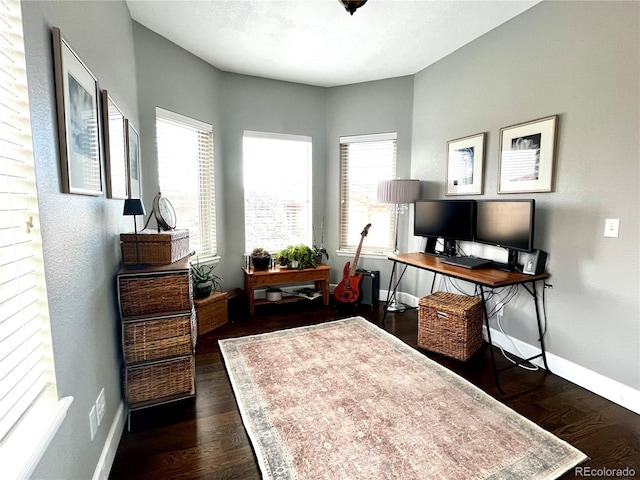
x: 372, y: 107
x: 171, y: 78
x: 579, y: 60
x: 262, y: 105
x: 81, y: 251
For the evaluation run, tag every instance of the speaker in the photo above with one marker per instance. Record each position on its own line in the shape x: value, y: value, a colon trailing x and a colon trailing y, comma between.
x: 369, y: 287
x: 534, y: 263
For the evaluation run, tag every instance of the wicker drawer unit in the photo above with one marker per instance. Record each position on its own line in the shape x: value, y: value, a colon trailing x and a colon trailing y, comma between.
x: 164, y: 380
x: 159, y: 332
x: 450, y: 324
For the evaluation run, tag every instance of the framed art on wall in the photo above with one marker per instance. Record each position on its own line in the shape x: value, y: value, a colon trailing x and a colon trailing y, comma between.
x: 115, y: 154
x: 77, y: 102
x: 465, y: 160
x: 527, y: 156
x: 133, y: 159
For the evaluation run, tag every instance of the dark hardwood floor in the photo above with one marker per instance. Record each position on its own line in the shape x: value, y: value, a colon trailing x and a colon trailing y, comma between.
x: 204, y: 438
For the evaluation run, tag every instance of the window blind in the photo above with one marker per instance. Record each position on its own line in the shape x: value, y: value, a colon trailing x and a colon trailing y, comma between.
x: 277, y: 190
x: 365, y: 160
x: 28, y: 396
x: 186, y: 176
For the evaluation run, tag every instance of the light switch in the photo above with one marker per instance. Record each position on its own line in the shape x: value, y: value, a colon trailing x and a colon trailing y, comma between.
x: 611, y: 227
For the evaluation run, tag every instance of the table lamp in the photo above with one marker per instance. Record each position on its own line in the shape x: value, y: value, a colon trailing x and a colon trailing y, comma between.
x: 400, y: 193
x: 134, y: 206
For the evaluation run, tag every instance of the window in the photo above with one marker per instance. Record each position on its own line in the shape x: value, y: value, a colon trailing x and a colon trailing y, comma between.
x: 277, y: 190
x: 30, y: 411
x: 365, y: 160
x: 186, y: 176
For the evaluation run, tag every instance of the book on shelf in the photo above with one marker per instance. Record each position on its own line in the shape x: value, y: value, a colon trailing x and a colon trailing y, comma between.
x: 307, y: 292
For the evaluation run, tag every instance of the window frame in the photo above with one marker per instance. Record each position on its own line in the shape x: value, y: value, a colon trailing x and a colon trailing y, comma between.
x: 30, y: 420
x: 210, y: 212
x: 344, y: 248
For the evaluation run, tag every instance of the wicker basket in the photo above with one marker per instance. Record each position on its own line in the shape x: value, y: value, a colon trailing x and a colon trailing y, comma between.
x: 211, y: 311
x: 154, y: 294
x: 450, y: 324
x: 158, y: 338
x: 154, y: 248
x: 160, y: 381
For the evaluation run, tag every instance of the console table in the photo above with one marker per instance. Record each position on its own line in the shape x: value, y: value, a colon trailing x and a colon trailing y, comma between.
x: 483, y: 278
x: 280, y: 276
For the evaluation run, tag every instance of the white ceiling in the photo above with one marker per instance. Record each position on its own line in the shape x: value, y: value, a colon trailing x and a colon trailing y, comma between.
x: 317, y: 42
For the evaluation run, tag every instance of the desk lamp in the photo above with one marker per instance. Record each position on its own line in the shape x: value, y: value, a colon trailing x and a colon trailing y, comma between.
x: 134, y: 206
x: 400, y: 193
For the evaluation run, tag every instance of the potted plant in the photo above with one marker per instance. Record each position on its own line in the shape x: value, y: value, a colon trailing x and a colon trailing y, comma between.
x: 260, y: 259
x: 204, y: 280
x: 297, y: 256
x: 319, y: 251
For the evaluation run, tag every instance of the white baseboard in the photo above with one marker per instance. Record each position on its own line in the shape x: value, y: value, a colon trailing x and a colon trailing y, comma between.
x: 111, y: 445
x: 597, y: 383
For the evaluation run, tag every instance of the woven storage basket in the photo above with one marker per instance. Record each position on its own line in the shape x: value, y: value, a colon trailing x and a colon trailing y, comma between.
x: 211, y: 311
x: 153, y: 294
x: 158, y: 338
x: 154, y: 248
x: 450, y: 324
x: 159, y: 381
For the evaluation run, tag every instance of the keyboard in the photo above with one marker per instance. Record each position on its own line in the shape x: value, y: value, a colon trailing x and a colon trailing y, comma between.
x: 467, y: 262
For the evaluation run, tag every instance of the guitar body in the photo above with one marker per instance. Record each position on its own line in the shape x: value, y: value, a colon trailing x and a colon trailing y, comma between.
x: 348, y: 290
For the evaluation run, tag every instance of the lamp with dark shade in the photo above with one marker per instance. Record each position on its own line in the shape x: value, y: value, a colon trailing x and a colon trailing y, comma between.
x: 134, y: 206
x: 400, y: 193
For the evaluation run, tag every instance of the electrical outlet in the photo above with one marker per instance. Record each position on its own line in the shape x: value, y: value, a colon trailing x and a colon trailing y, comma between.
x: 500, y: 309
x: 611, y: 227
x: 93, y: 422
x: 101, y: 406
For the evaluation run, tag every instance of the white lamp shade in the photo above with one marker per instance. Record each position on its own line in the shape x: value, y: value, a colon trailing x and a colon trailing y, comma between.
x: 398, y: 191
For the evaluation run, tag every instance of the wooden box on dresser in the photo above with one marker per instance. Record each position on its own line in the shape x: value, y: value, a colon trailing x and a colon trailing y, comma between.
x: 159, y: 333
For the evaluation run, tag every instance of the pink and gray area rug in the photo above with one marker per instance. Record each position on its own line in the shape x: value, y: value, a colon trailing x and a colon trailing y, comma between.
x: 347, y: 400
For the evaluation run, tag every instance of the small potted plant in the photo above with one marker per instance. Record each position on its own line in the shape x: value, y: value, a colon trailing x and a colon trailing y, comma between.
x: 260, y: 259
x: 204, y: 280
x: 297, y: 256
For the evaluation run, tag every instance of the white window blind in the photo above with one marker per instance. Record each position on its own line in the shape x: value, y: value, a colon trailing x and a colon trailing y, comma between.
x: 277, y: 190
x: 365, y: 160
x: 186, y: 175
x: 29, y: 407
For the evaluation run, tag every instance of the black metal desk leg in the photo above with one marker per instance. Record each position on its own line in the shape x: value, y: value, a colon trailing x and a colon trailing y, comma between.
x: 493, y: 358
x: 540, y: 331
x: 391, y: 292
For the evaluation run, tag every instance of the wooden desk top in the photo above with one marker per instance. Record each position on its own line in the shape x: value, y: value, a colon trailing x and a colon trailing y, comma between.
x: 488, y: 277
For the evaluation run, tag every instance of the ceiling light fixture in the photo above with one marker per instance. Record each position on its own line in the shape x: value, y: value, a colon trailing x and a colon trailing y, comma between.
x: 352, y: 5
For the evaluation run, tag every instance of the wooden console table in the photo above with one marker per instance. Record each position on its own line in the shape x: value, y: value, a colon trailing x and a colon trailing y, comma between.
x: 483, y: 278
x: 279, y: 276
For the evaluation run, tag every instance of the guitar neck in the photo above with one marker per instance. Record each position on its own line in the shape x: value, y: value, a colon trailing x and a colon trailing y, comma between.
x: 354, y: 266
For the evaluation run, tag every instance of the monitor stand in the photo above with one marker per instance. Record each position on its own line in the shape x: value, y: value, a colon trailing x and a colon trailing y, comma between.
x: 449, y: 247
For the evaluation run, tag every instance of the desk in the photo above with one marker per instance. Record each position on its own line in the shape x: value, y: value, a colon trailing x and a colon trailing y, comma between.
x: 482, y: 278
x: 279, y: 276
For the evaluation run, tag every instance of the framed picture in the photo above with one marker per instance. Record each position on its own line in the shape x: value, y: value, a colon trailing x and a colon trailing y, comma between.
x: 465, y: 160
x: 115, y: 154
x: 133, y: 159
x: 527, y: 154
x: 77, y: 102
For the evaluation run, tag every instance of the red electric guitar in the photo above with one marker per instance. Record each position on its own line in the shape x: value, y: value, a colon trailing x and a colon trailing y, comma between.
x: 348, y: 290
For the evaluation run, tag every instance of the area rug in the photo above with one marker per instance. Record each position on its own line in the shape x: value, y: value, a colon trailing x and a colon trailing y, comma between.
x: 347, y: 400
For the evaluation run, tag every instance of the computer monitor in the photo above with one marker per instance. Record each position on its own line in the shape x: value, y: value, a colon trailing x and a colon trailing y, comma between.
x: 506, y: 223
x: 450, y: 220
